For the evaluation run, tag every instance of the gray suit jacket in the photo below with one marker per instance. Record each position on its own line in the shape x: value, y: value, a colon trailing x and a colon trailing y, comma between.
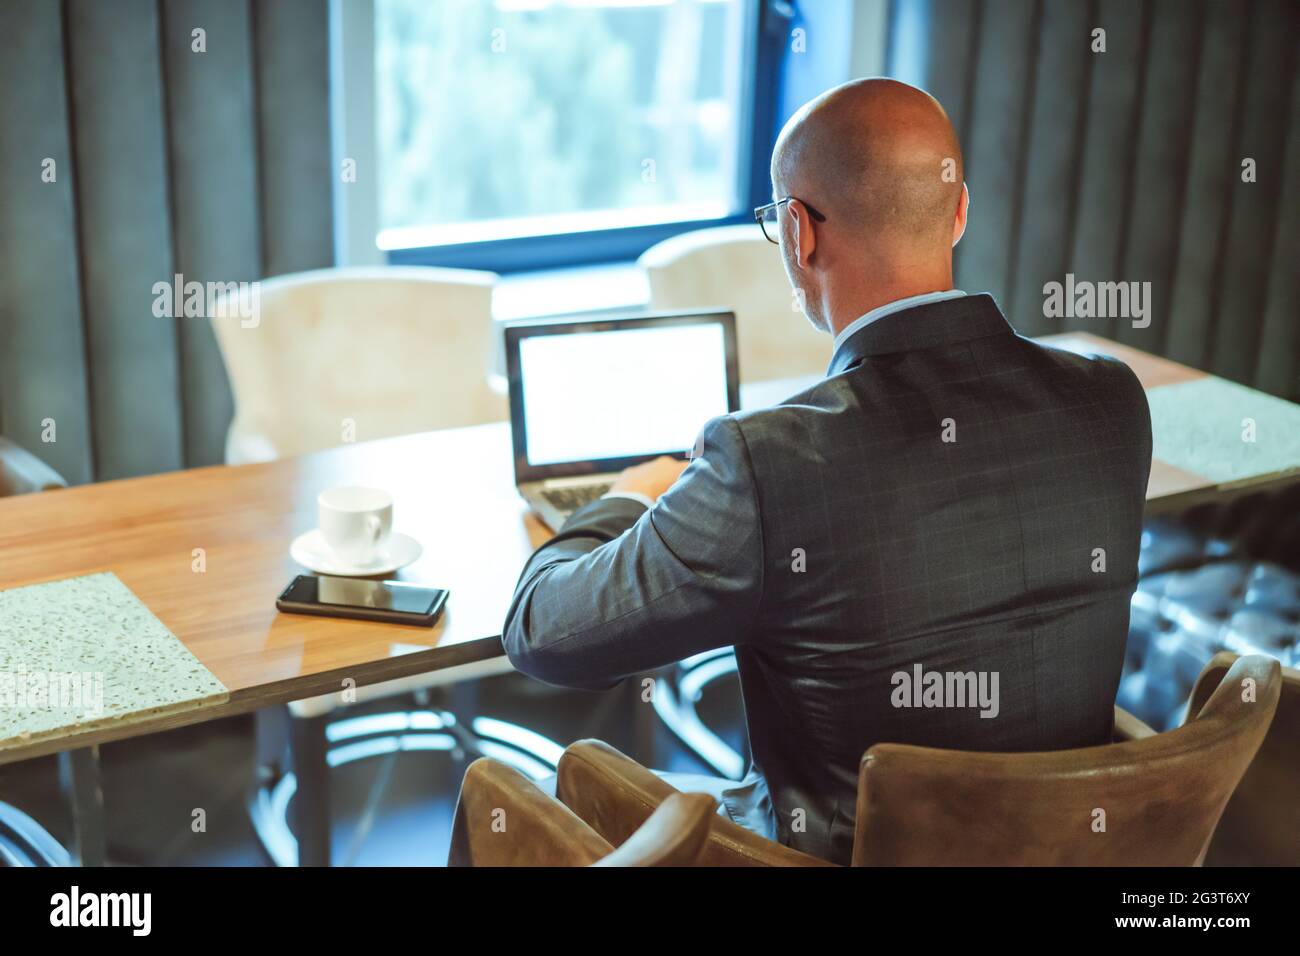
x: 952, y: 500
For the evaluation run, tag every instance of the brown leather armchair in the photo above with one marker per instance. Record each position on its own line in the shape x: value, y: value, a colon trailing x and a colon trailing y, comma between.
x: 21, y: 472
x: 616, y: 795
x: 1150, y: 800
x: 1261, y: 824
x: 504, y: 819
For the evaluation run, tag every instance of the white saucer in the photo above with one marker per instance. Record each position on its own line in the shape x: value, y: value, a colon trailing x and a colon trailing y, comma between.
x: 311, y: 551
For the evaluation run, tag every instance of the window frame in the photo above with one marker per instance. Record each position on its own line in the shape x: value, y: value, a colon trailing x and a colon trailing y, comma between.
x: 768, y: 24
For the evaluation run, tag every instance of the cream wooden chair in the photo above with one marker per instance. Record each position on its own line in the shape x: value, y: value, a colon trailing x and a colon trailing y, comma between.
x: 735, y: 268
x: 354, y: 354
x: 341, y: 355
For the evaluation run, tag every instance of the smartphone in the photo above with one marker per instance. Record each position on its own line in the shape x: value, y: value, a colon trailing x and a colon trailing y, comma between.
x: 394, y: 602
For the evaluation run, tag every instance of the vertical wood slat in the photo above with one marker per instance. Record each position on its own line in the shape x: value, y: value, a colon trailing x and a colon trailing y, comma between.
x: 1279, y: 350
x: 1052, y: 169
x: 995, y: 150
x: 213, y: 160
x: 293, y: 121
x: 1161, y: 165
x: 1252, y: 222
x: 1223, y: 54
x: 42, y: 346
x: 125, y: 234
x: 1113, y: 105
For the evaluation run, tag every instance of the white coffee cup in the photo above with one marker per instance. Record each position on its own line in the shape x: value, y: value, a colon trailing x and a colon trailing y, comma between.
x: 356, y: 522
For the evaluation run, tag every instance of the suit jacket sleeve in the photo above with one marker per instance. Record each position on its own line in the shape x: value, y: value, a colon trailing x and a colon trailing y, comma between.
x: 622, y: 589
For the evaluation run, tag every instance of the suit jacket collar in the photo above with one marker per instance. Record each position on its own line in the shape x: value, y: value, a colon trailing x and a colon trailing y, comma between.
x: 921, y: 327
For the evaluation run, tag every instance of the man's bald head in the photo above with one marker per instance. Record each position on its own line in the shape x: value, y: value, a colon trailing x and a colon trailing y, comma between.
x: 880, y: 160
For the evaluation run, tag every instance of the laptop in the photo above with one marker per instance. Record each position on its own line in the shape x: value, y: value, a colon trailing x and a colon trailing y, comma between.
x: 590, y: 398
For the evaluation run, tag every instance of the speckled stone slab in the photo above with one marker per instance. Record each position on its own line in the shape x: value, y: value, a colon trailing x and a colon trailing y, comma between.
x: 1224, y: 431
x: 82, y: 653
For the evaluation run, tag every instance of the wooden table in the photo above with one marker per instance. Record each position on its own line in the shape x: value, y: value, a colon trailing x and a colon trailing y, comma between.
x: 454, y: 492
x: 1173, y: 488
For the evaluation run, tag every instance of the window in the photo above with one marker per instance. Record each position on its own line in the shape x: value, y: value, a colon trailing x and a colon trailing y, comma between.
x: 504, y: 120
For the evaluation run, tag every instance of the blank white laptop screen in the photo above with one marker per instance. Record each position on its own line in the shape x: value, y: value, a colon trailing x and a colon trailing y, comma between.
x: 593, y: 395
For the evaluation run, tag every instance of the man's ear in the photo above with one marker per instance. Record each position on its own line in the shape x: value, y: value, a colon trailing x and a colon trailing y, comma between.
x: 963, y: 207
x: 803, y: 232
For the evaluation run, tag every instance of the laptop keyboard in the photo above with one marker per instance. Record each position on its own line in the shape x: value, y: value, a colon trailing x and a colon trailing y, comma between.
x: 569, y: 499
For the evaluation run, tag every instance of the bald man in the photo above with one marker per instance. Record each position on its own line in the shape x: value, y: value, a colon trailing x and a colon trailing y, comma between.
x: 934, y: 545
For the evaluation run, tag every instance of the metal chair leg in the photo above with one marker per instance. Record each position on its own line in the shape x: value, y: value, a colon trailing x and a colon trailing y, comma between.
x: 676, y: 697
x: 24, y: 842
x: 320, y: 744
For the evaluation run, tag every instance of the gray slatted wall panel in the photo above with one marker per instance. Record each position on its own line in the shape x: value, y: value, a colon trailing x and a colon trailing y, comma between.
x: 995, y: 152
x: 1209, y: 183
x: 1131, y: 164
x: 1279, y: 354
x: 954, y: 27
x: 1052, y: 171
x: 293, y: 116
x: 125, y: 234
x: 215, y: 195
x: 1252, y: 222
x: 1184, y: 90
x: 1109, y: 139
x: 42, y: 349
x: 950, y: 70
x: 1161, y: 163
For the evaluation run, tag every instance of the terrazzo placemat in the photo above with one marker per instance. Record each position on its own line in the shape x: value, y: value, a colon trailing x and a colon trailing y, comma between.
x: 1224, y: 431
x: 82, y: 653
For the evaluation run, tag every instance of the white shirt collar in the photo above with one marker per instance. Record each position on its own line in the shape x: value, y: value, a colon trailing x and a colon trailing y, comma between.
x: 889, y: 307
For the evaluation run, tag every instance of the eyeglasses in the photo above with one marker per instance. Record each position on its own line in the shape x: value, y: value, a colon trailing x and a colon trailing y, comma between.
x: 767, y: 215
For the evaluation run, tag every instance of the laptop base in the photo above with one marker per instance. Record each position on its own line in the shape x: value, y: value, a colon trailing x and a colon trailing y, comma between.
x: 556, y: 498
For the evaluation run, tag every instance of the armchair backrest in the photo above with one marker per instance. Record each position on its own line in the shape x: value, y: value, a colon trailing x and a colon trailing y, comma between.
x: 1260, y: 825
x: 394, y: 350
x: 1148, y: 802
x: 735, y: 268
x: 21, y: 472
x: 504, y: 819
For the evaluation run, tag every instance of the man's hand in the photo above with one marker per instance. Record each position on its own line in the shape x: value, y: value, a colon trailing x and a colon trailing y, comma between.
x: 652, y: 478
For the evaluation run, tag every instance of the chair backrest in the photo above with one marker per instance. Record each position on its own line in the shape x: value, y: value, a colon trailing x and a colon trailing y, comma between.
x: 673, y: 836
x: 618, y: 796
x: 735, y: 268
x: 379, y: 351
x: 1148, y: 802
x: 504, y: 819
x: 1260, y: 825
x: 21, y: 472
